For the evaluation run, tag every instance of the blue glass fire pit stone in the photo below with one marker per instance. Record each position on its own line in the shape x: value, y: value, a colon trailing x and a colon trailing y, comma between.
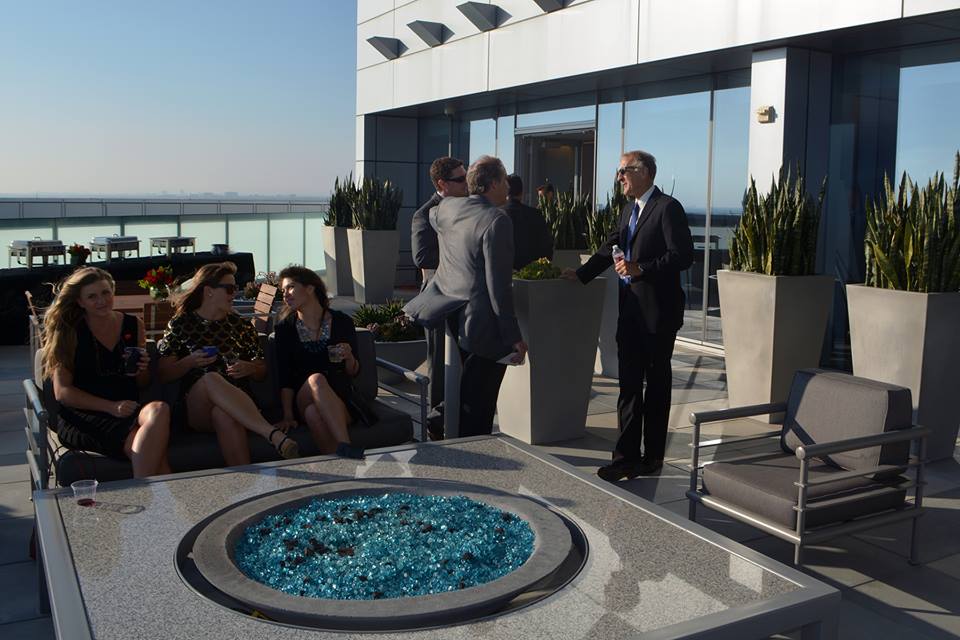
x: 391, y: 545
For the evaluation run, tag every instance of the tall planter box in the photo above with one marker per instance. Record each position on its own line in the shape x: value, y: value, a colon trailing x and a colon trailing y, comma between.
x: 772, y: 326
x: 373, y: 262
x: 336, y: 254
x: 607, y: 363
x: 912, y: 340
x: 546, y: 398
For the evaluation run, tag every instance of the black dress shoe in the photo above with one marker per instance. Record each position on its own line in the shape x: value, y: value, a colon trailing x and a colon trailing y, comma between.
x: 620, y: 469
x: 435, y: 427
x: 649, y: 467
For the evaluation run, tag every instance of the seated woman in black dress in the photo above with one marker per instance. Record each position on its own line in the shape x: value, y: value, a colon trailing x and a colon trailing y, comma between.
x: 84, y: 341
x: 214, y: 387
x: 312, y: 384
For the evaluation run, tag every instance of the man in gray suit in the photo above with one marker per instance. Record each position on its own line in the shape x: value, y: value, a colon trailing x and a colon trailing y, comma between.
x: 476, y: 256
x: 449, y: 178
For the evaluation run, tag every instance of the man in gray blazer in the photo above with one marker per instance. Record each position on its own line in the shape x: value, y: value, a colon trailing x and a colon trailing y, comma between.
x: 475, y: 274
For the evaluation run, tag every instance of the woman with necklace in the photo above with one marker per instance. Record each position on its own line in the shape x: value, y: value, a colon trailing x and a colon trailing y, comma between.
x: 315, y: 357
x: 86, y: 350
x: 214, y: 353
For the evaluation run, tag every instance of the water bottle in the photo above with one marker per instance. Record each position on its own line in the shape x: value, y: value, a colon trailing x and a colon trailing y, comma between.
x: 618, y: 254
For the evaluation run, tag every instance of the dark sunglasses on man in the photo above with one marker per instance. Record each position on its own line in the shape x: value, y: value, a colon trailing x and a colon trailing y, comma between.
x: 229, y: 288
x: 630, y: 167
x: 457, y: 179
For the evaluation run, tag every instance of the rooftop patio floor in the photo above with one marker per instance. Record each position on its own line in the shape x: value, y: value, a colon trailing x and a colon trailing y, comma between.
x: 883, y: 596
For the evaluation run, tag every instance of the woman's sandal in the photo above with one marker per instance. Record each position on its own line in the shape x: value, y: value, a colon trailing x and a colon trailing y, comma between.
x: 287, y: 447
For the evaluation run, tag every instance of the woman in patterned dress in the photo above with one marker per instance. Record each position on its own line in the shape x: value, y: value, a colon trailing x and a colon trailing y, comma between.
x: 215, y: 387
x: 83, y: 353
x: 313, y: 386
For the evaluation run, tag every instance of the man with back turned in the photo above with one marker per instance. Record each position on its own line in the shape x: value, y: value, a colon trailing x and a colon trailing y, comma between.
x: 655, y: 237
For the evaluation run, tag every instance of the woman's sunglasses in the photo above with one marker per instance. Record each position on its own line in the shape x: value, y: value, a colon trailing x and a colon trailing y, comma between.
x: 229, y: 288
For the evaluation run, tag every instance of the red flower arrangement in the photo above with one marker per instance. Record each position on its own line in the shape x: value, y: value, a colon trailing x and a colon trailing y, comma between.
x: 157, y: 281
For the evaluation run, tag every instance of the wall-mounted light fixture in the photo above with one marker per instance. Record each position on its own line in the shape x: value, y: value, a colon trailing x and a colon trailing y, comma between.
x: 485, y: 17
x: 433, y: 33
x: 550, y: 5
x: 766, y: 114
x: 389, y: 48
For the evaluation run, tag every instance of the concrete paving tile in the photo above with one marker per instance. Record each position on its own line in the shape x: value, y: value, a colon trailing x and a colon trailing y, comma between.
x: 19, y: 592
x: 13, y: 468
x: 12, y: 419
x: 922, y: 598
x: 15, y: 500
x: 670, y: 483
x: 845, y: 561
x: 860, y: 623
x: 11, y: 401
x: 949, y: 565
x: 35, y: 629
x: 12, y: 441
x: 605, y: 422
x: 15, y: 540
x: 939, y: 528
x: 11, y: 386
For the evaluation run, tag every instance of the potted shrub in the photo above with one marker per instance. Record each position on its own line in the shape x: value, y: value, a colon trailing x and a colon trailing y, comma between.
x: 566, y: 215
x: 336, y: 248
x: 774, y: 310
x: 546, y: 398
x: 600, y: 224
x: 78, y: 254
x: 397, y: 339
x: 904, y: 318
x: 373, y: 242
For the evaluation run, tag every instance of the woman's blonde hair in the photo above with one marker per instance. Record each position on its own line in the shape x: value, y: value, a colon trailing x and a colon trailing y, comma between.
x: 191, y: 296
x: 60, y: 320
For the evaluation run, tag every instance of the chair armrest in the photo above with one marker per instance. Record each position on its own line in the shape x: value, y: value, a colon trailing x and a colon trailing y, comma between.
x: 393, y: 367
x: 33, y: 397
x: 699, y: 417
x: 827, y: 448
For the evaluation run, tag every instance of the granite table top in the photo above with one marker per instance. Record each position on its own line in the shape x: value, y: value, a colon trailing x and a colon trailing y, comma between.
x: 647, y: 572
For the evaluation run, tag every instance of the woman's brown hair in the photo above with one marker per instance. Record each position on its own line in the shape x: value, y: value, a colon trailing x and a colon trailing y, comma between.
x: 60, y: 320
x: 305, y: 277
x: 191, y: 296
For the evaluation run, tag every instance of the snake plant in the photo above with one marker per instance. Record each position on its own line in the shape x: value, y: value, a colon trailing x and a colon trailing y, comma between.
x: 912, y: 240
x: 340, y: 211
x: 777, y: 234
x: 566, y: 216
x: 376, y: 205
x: 603, y: 221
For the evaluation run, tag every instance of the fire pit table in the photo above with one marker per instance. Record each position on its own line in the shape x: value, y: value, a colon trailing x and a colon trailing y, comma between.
x: 170, y: 556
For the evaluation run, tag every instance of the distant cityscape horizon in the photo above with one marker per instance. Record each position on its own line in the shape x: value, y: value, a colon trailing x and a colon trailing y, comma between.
x: 181, y: 195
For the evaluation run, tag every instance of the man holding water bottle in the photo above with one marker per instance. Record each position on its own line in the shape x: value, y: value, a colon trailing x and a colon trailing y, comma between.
x: 650, y: 248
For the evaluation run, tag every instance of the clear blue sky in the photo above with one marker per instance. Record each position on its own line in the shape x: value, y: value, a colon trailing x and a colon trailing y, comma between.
x: 106, y: 97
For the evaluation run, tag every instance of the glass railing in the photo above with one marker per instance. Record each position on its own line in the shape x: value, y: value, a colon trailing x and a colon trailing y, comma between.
x: 277, y: 232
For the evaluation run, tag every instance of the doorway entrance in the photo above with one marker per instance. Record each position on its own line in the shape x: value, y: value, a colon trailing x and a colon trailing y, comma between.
x: 562, y: 157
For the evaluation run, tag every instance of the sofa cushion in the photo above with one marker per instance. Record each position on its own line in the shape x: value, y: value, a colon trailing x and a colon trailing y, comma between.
x: 826, y: 406
x: 766, y: 487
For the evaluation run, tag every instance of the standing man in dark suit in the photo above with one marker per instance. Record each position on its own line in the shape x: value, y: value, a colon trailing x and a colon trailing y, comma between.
x: 531, y: 236
x: 450, y: 180
x: 476, y: 256
x: 654, y: 234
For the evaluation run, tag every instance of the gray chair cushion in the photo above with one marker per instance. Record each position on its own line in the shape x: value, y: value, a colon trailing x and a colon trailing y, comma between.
x: 765, y: 487
x: 826, y: 406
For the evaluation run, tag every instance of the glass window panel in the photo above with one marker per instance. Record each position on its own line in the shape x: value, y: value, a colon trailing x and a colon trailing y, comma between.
x: 249, y: 235
x: 314, y: 258
x: 205, y: 230
x: 731, y: 115
x: 434, y: 134
x: 286, y: 240
x: 675, y: 129
x: 585, y: 113
x: 146, y: 228
x: 11, y: 230
x: 82, y: 231
x: 483, y: 138
x: 609, y: 148
x: 927, y: 137
x: 505, y: 141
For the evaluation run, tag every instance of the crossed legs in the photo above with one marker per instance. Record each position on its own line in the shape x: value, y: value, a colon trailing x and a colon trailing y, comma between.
x: 213, y: 404
x: 324, y: 412
x: 146, y: 445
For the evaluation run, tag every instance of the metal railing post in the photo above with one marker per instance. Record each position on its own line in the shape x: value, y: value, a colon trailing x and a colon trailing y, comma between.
x: 451, y: 385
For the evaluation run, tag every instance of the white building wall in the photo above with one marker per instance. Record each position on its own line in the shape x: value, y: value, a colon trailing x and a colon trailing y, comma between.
x: 585, y: 36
